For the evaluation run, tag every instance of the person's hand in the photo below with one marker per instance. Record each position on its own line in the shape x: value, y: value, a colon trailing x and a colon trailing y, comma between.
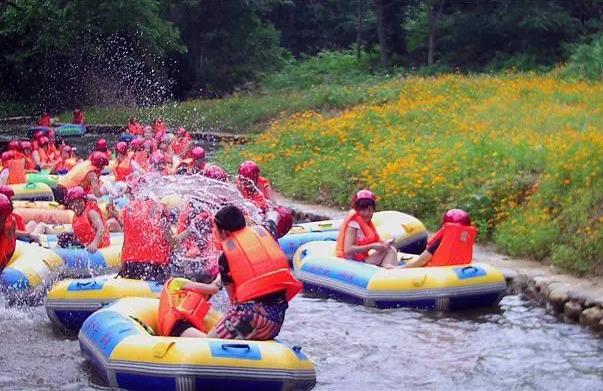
x: 388, y: 242
x: 92, y: 247
x: 379, y: 246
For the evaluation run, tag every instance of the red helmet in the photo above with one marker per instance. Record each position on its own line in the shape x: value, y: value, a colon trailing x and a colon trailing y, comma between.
x: 364, y: 194
x: 74, y: 194
x: 285, y: 221
x: 249, y: 170
x: 101, y: 144
x: 198, y: 153
x: 5, y: 205
x: 14, y: 146
x: 137, y: 144
x: 121, y: 147
x: 25, y: 145
x: 44, y: 140
x: 158, y: 157
x: 7, y: 191
x: 8, y: 155
x: 215, y: 172
x: 99, y: 159
x: 457, y: 216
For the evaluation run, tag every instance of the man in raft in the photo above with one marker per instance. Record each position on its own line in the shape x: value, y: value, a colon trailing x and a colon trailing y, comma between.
x: 85, y: 174
x: 194, y: 164
x: 256, y: 275
x: 13, y: 169
x: 89, y: 226
x: 134, y: 127
x: 45, y: 120
x: 358, y: 238
x: 451, y: 245
x: 8, y: 227
x: 78, y: 117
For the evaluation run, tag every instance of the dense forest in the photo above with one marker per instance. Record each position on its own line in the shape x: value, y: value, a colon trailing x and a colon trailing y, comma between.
x: 58, y: 53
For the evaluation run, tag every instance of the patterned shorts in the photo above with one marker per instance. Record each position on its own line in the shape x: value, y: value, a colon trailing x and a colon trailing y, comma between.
x: 252, y: 321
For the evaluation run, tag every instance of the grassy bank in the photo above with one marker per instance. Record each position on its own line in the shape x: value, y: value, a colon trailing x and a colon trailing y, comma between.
x: 522, y: 153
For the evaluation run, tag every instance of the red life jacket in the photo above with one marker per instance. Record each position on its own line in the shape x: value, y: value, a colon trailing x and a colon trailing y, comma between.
x: 135, y: 129
x: 265, y: 187
x: 142, y: 158
x: 44, y: 121
x: 84, y: 230
x: 180, y: 145
x: 144, y: 238
x: 16, y: 171
x: 19, y: 221
x: 258, y: 267
x: 185, y: 304
x: 123, y: 169
x: 456, y: 247
x: 253, y: 195
x: 30, y: 164
x: 368, y: 230
x: 8, y: 241
x: 78, y: 118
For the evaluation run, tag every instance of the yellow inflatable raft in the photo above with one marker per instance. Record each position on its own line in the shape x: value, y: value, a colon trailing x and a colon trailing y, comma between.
x: 32, y: 192
x: 118, y: 340
x: 441, y: 288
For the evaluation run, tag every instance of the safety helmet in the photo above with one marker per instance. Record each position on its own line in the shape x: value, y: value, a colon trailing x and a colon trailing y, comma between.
x: 8, y: 155
x: 249, y: 170
x: 121, y: 147
x: 99, y: 159
x: 74, y: 194
x: 457, y: 216
x: 101, y: 144
x: 137, y: 144
x: 364, y: 194
x: 215, y: 172
x: 25, y: 145
x: 5, y: 205
x: 198, y: 153
x: 14, y: 146
x: 7, y: 191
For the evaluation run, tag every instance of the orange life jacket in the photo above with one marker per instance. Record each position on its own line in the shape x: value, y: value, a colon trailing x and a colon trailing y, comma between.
x: 456, y: 247
x: 123, y: 169
x: 142, y: 158
x: 19, y: 221
x: 135, y: 129
x: 16, y: 171
x: 8, y: 241
x: 144, y: 238
x: 77, y: 175
x: 84, y: 230
x: 265, y: 187
x: 258, y: 266
x: 43, y: 155
x: 78, y: 118
x: 30, y: 164
x: 44, y: 121
x: 253, y: 195
x: 186, y: 304
x: 368, y: 230
x: 180, y: 145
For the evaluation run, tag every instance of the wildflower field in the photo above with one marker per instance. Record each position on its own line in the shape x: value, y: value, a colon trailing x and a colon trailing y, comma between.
x: 522, y: 153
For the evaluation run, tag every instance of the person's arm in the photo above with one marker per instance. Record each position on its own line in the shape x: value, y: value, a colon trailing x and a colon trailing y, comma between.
x: 36, y: 157
x: 208, y: 289
x: 94, y: 184
x: 99, y: 227
x: 4, y: 176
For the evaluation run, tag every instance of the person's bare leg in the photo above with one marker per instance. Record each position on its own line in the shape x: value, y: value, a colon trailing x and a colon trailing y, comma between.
x: 376, y: 258
x: 390, y: 260
x: 192, y: 332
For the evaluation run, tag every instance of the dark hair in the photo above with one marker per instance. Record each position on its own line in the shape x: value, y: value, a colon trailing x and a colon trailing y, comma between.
x: 364, y: 203
x: 230, y: 218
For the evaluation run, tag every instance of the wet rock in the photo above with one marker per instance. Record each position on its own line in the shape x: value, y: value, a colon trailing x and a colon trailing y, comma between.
x: 591, y: 316
x: 557, y: 298
x: 572, y: 310
x: 577, y: 295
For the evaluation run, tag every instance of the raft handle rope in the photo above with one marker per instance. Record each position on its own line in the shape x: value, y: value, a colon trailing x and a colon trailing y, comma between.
x: 144, y: 326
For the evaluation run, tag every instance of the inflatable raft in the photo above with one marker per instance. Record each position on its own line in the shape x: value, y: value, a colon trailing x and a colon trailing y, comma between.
x: 70, y: 302
x: 409, y: 234
x: 32, y: 268
x: 441, y: 288
x: 32, y: 192
x: 71, y: 130
x: 117, y: 340
x: 43, y: 177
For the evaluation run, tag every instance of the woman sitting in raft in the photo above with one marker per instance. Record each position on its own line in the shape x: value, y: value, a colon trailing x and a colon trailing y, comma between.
x: 256, y: 275
x: 451, y: 245
x: 85, y: 174
x: 358, y: 238
x: 254, y: 187
x: 89, y: 226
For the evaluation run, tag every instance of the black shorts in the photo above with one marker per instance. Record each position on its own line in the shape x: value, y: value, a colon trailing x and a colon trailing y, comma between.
x: 144, y: 271
x: 180, y: 327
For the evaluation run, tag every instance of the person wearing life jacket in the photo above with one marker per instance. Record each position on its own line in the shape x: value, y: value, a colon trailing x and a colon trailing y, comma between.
x: 195, y: 164
x: 85, y: 174
x: 40, y: 155
x: 147, y: 132
x: 358, y: 238
x: 255, y: 273
x: 15, y: 146
x: 125, y: 165
x: 182, y: 143
x: 148, y: 241
x: 13, y: 170
x: 215, y: 172
x: 45, y: 120
x: 78, y: 117
x: 248, y: 184
x: 134, y: 127
x: 21, y: 230
x: 452, y: 244
x: 30, y: 164
x: 8, y: 226
x: 89, y: 225
x: 139, y: 154
x: 159, y: 163
x: 66, y: 161
x: 181, y: 309
x: 159, y: 127
x: 102, y: 146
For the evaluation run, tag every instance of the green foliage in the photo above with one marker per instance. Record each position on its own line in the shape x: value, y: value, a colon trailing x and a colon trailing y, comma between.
x: 12, y: 109
x: 586, y: 61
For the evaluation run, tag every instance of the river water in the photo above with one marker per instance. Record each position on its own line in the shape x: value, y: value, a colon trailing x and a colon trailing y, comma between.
x: 516, y: 347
